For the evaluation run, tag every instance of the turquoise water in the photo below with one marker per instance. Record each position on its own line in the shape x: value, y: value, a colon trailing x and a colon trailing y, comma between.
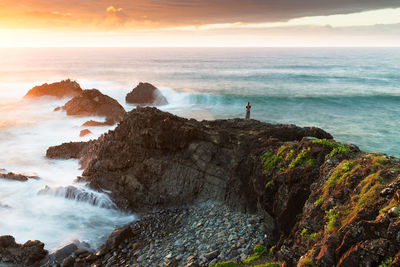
x: 352, y: 93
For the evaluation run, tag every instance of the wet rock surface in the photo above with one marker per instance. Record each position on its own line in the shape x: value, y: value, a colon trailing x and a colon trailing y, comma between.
x: 29, y: 254
x: 71, y: 150
x: 146, y: 94
x: 94, y: 103
x: 17, y: 177
x: 66, y: 88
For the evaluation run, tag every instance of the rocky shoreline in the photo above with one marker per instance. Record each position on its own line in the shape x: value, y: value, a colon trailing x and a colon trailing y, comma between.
x: 231, y: 193
x: 197, y: 235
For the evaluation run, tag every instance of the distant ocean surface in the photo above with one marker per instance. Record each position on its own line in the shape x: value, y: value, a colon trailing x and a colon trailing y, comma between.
x: 352, y: 93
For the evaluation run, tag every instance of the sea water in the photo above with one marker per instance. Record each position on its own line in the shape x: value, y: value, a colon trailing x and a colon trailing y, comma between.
x: 353, y: 93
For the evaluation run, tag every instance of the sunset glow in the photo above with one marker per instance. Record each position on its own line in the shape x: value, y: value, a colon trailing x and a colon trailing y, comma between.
x: 197, y: 23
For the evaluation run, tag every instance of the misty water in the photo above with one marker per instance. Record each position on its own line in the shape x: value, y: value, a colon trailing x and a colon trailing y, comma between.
x: 352, y: 93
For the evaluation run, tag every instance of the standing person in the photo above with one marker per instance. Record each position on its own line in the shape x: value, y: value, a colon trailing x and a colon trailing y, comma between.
x: 248, y: 107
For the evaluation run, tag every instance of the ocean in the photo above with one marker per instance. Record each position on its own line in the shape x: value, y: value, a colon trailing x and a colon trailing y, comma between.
x: 352, y: 93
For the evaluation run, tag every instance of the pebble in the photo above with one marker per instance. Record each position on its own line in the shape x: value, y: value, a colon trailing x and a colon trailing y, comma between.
x: 198, y: 235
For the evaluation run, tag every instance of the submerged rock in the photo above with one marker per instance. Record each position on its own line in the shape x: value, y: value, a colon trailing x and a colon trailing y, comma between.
x: 66, y: 88
x: 93, y: 123
x: 94, y: 103
x: 29, y: 254
x: 17, y: 177
x: 4, y: 206
x: 146, y: 94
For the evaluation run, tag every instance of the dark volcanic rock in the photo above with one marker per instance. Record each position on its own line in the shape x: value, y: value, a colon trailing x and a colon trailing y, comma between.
x: 59, y: 89
x: 16, y: 177
x: 71, y: 150
x: 324, y: 203
x: 154, y: 158
x: 28, y: 254
x: 60, y: 254
x: 94, y: 103
x: 146, y: 94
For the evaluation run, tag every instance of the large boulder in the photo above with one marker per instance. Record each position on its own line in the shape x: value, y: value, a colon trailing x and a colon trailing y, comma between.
x: 146, y: 94
x: 94, y: 103
x: 154, y: 158
x: 60, y: 254
x: 29, y: 254
x: 66, y: 88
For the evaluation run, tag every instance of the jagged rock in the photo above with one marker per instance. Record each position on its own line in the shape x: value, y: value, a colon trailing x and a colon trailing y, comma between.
x: 154, y: 158
x: 325, y: 256
x: 28, y: 254
x: 60, y: 254
x: 7, y: 241
x: 94, y: 103
x: 93, y: 123
x: 323, y: 202
x: 71, y: 150
x: 84, y: 132
x: 146, y: 94
x: 66, y: 88
x: 17, y: 177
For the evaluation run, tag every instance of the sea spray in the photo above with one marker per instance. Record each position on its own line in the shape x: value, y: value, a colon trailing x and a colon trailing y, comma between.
x: 29, y: 128
x: 80, y: 194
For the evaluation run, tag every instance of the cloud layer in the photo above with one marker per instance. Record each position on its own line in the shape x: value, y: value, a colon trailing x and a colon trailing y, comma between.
x: 170, y: 13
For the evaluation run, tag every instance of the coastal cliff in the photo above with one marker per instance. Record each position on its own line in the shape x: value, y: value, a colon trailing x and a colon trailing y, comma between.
x: 322, y: 203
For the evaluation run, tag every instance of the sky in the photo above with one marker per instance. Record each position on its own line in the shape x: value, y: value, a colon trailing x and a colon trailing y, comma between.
x: 218, y: 23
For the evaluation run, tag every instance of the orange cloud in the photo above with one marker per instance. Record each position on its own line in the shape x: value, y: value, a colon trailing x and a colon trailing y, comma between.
x: 113, y: 9
x: 97, y: 15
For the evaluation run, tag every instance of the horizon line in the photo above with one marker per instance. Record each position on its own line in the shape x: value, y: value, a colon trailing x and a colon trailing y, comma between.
x: 94, y: 46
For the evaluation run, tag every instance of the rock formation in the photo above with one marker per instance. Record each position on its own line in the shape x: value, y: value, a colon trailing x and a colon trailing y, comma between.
x: 324, y: 203
x: 66, y: 88
x: 94, y: 103
x: 29, y: 254
x: 154, y: 158
x: 71, y: 150
x: 146, y: 94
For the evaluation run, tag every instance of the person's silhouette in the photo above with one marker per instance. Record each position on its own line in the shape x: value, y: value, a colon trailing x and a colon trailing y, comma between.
x: 248, y: 107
